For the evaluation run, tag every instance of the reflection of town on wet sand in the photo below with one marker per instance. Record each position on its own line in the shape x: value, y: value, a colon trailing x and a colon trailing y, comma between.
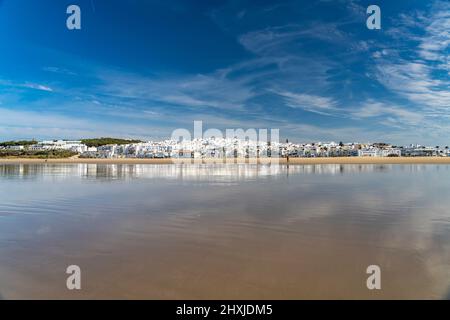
x: 218, y: 161
x: 224, y: 172
x: 231, y: 231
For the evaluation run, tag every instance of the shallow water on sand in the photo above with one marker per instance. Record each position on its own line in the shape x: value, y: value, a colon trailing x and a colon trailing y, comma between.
x: 224, y: 231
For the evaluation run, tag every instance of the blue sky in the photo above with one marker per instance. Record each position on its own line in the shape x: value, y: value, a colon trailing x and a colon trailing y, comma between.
x: 144, y: 68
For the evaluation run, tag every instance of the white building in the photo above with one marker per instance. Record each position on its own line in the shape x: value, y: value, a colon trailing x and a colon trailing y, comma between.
x: 16, y: 148
x: 369, y: 153
x: 391, y: 152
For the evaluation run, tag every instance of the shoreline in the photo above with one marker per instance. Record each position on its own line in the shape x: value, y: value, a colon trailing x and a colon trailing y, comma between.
x: 283, y: 161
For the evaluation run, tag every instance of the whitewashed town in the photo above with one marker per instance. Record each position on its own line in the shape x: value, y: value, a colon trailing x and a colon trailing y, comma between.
x: 226, y: 148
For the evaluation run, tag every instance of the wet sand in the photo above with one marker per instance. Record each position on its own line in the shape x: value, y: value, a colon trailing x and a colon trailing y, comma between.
x: 301, y: 161
x: 235, y: 232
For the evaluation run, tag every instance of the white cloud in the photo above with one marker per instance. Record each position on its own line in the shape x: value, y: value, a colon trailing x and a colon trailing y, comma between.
x: 37, y: 87
x: 277, y: 40
x: 434, y: 46
x: 59, y: 70
x: 29, y: 124
x: 371, y: 109
x: 422, y: 80
x: 309, y: 102
x: 207, y: 91
x: 29, y: 85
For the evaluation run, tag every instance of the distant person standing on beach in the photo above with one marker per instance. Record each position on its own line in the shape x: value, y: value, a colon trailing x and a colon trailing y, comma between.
x: 287, y: 152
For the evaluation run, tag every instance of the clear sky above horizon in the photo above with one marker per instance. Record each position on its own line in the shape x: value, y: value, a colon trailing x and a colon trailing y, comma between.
x: 144, y: 68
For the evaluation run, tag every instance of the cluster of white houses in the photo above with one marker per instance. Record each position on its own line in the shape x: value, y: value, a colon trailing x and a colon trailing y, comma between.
x: 46, y: 145
x: 229, y: 148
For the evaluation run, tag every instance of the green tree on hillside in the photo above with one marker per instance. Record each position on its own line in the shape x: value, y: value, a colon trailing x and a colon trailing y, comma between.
x: 97, y: 142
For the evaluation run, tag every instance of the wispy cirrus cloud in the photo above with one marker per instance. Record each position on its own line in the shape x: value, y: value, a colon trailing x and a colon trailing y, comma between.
x: 309, y: 102
x: 279, y: 39
x: 419, y: 69
x: 37, y: 87
x: 30, y: 124
x: 394, y: 115
x: 26, y: 85
x: 416, y: 82
x: 434, y: 45
x: 59, y: 70
x: 191, y: 91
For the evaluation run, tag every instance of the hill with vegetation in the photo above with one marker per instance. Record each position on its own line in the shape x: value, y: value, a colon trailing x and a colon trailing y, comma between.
x: 45, y: 154
x: 105, y: 141
x: 17, y: 143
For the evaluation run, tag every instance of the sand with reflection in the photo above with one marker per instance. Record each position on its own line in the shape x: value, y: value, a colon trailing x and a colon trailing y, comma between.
x: 240, y: 231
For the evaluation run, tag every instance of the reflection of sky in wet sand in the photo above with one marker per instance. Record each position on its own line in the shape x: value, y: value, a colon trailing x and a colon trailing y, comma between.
x: 230, y: 231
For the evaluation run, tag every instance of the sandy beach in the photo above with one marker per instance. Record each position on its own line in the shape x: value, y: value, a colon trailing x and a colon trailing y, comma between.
x: 293, y: 161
